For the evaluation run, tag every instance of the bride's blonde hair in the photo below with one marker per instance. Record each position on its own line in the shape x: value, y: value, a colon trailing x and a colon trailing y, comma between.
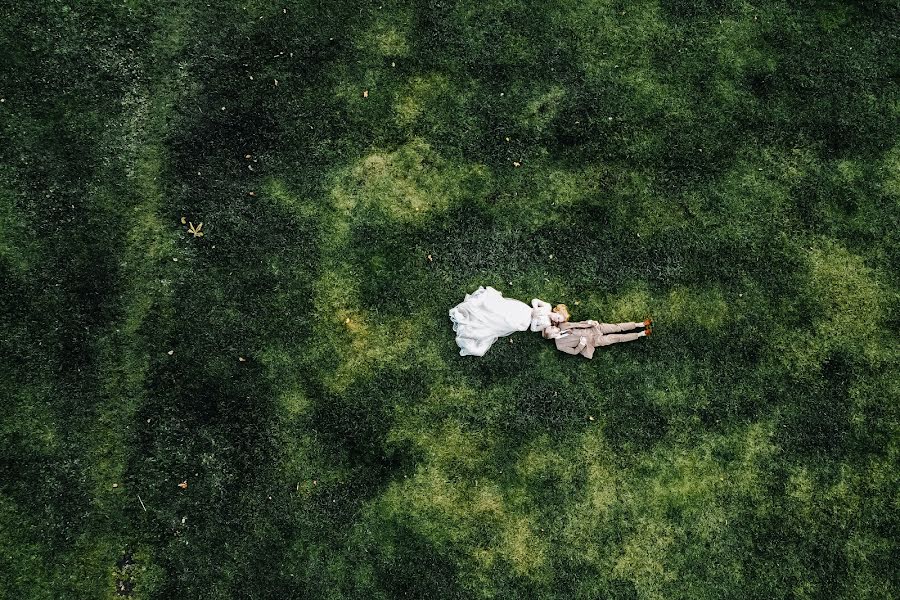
x: 562, y: 310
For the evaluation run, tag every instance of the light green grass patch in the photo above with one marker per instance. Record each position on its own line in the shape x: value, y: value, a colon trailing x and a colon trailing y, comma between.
x: 387, y: 36
x: 589, y: 516
x: 890, y: 165
x: 454, y: 515
x: 294, y: 402
x: 645, y: 561
x: 620, y: 38
x: 447, y: 446
x: 681, y: 491
x: 655, y: 95
x: 420, y: 95
x: 849, y: 308
x: 363, y: 343
x: 680, y: 392
x: 753, y: 200
x: 407, y: 185
x: 542, y: 108
x: 435, y: 430
x: 541, y: 458
x: 693, y: 308
x: 635, y: 303
x: 279, y: 192
x: 851, y: 300
x: 740, y: 49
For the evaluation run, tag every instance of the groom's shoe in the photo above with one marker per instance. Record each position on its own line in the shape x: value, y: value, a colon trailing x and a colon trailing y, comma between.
x: 647, y: 332
x: 648, y: 322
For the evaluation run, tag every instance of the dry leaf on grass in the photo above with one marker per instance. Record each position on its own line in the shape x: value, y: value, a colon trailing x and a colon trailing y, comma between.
x: 195, y: 231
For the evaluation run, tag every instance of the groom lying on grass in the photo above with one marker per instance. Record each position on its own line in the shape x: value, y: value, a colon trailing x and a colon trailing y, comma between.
x: 582, y: 337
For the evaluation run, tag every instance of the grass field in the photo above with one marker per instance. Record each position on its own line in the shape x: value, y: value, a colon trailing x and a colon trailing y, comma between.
x: 730, y: 167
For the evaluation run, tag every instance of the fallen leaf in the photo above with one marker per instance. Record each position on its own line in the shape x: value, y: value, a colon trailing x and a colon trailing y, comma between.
x: 184, y: 219
x: 430, y: 259
x: 276, y: 83
x: 115, y: 485
x: 590, y: 418
x: 517, y: 164
x: 171, y: 352
x: 195, y: 231
x: 242, y: 359
x: 247, y: 156
x: 365, y: 93
x: 183, y: 484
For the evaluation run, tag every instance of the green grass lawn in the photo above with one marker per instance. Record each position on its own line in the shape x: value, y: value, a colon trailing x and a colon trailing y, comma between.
x: 730, y: 167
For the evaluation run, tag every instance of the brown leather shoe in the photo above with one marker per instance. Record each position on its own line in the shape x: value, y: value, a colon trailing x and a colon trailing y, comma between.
x: 648, y: 322
x: 647, y: 332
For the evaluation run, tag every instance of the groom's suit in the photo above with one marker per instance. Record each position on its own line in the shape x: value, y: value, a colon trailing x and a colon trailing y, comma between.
x: 582, y: 337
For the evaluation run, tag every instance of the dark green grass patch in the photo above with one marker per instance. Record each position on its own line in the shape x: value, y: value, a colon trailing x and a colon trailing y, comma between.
x: 277, y: 408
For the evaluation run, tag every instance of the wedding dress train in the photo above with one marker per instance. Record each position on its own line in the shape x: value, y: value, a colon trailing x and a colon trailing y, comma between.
x: 485, y: 315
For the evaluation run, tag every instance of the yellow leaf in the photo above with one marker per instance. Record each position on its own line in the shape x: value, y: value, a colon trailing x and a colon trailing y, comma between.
x: 195, y: 231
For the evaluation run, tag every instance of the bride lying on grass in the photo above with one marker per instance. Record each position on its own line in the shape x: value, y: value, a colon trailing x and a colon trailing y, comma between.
x: 485, y: 315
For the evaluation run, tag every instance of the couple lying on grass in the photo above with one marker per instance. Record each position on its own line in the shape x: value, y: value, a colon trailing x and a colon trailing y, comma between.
x: 485, y: 315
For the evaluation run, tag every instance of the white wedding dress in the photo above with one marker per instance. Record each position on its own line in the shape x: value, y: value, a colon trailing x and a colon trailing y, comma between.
x: 485, y: 315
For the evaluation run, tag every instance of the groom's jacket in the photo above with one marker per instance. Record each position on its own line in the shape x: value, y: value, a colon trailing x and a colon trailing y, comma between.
x: 572, y: 334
